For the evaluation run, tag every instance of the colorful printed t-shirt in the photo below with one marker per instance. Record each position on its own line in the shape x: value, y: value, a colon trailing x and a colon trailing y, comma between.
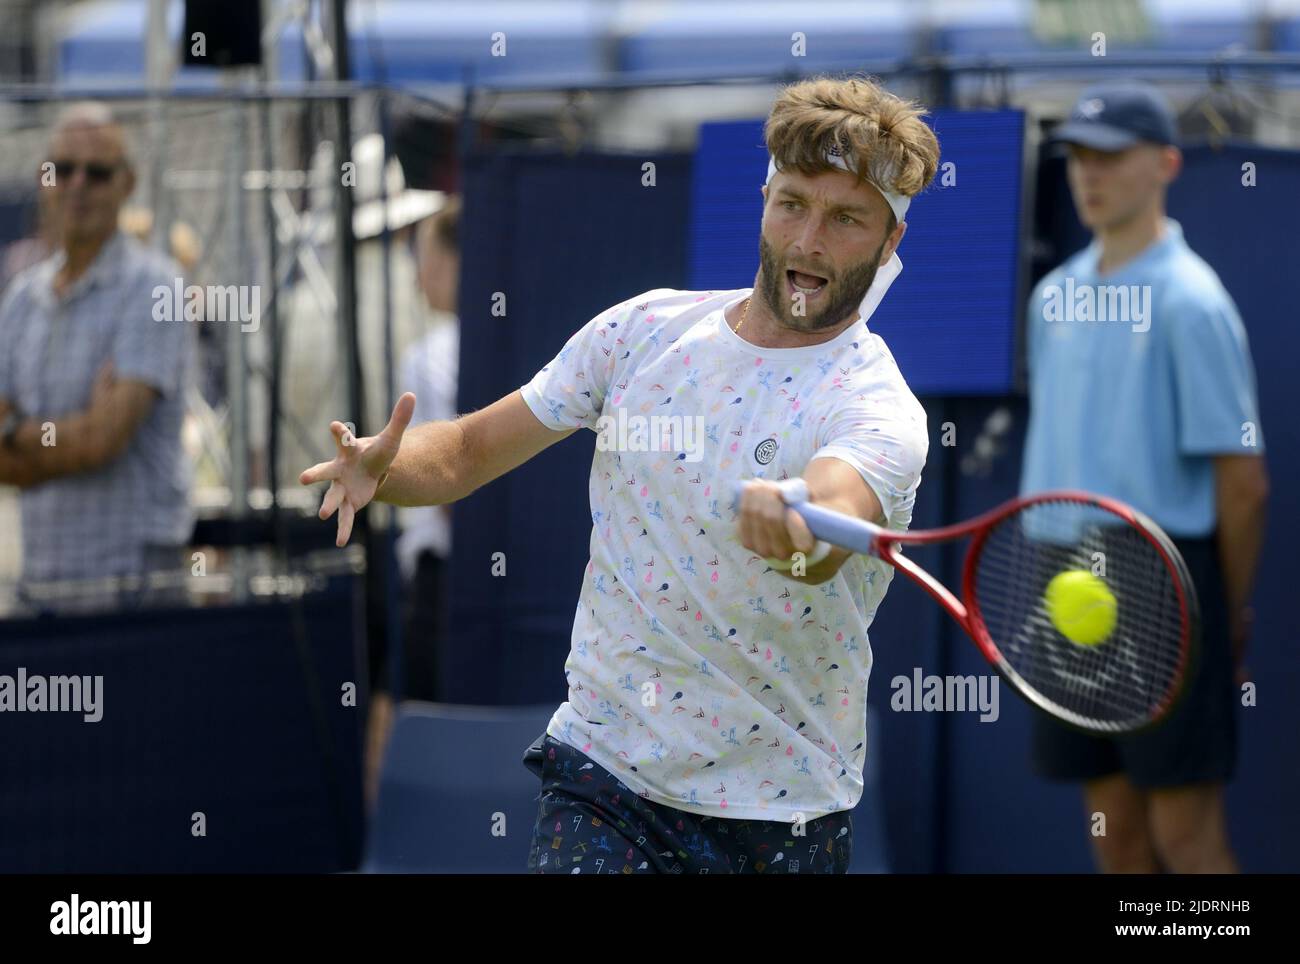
x: 700, y: 676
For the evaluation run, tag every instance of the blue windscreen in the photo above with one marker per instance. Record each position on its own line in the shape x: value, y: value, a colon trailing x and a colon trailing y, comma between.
x: 950, y: 319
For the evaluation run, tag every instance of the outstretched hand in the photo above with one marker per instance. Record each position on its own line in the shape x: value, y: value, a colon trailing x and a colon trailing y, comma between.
x: 355, y: 472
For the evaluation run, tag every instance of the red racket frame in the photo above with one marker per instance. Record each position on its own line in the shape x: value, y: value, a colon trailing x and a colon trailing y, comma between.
x: 966, y: 610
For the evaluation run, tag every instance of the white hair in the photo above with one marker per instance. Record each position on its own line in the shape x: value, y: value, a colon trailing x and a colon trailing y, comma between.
x: 91, y: 113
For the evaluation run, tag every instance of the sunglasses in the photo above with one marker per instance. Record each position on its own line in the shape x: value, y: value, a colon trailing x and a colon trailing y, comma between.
x: 96, y: 173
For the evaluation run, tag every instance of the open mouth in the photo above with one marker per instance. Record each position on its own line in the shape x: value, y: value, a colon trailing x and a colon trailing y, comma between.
x: 808, y: 285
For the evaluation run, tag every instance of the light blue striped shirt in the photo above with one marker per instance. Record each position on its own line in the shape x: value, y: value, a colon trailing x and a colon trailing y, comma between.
x: 99, y: 523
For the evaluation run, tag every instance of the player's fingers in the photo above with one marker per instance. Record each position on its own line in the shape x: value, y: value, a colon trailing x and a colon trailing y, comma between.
x: 333, y: 498
x: 344, y: 437
x: 320, y: 472
x: 346, y: 515
x: 401, y: 417
x: 797, y: 531
x: 767, y: 512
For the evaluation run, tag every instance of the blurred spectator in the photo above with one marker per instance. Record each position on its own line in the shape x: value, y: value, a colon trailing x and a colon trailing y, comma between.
x: 429, y: 370
x: 182, y: 240
x: 92, y: 387
x: 186, y: 248
x: 18, y: 256
x: 313, y: 376
x: 1155, y: 406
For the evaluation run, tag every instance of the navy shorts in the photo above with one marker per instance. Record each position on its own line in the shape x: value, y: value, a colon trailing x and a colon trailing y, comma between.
x: 1197, y: 743
x: 589, y: 822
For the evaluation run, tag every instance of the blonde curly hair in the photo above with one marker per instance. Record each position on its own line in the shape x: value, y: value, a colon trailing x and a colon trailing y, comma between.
x: 882, y: 133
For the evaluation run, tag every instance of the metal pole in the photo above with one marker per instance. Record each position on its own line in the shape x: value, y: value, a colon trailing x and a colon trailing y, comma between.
x: 158, y: 75
x: 343, y: 236
x: 364, y: 533
x: 272, y: 316
x: 236, y: 346
x: 347, y: 302
x: 388, y: 542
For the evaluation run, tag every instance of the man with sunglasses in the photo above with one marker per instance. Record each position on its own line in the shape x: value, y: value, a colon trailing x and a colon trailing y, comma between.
x: 92, y: 388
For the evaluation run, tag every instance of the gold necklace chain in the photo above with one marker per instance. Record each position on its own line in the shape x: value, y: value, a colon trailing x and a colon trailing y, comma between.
x: 744, y: 314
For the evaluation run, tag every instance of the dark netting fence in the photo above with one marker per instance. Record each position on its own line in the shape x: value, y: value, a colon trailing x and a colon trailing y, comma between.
x: 240, y: 307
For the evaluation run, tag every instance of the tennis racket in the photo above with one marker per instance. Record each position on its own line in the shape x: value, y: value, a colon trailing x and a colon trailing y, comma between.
x: 1082, y: 604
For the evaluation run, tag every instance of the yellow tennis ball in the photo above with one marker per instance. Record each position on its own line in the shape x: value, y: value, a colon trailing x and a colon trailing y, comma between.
x: 1081, y: 607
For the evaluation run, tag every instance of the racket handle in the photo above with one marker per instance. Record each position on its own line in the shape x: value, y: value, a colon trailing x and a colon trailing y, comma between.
x: 838, y: 529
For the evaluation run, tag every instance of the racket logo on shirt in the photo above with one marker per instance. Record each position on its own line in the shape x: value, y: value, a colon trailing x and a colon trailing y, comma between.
x: 766, y: 451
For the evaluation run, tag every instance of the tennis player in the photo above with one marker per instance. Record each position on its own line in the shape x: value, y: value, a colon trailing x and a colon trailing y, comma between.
x: 717, y: 680
x: 1156, y: 407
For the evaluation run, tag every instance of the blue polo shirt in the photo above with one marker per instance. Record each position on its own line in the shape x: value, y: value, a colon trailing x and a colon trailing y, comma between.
x: 1137, y: 379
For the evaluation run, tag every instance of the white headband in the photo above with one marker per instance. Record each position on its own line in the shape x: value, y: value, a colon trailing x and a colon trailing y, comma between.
x: 888, y: 271
x: 898, y: 203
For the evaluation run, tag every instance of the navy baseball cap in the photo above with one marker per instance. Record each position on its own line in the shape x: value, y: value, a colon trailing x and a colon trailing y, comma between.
x: 1112, y: 117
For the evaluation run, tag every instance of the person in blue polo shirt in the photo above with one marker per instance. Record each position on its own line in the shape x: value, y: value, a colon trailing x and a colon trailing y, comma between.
x: 1142, y: 388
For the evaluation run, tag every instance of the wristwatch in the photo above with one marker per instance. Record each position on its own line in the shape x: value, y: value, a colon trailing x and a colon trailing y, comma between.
x: 9, y: 427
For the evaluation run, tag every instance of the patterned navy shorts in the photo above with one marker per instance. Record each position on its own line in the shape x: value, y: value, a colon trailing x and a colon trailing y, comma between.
x: 590, y: 822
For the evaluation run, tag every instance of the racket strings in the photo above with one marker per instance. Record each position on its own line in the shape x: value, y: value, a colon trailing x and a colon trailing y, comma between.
x: 1113, y: 683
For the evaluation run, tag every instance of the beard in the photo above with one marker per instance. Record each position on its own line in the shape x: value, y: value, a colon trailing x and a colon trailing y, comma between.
x: 841, y: 298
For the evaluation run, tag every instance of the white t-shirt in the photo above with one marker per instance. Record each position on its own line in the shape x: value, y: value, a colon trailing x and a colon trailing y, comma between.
x: 700, y: 677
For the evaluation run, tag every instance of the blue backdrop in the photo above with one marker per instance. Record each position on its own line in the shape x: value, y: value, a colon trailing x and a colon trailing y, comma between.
x: 562, y: 238
x: 235, y: 712
x: 950, y: 320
